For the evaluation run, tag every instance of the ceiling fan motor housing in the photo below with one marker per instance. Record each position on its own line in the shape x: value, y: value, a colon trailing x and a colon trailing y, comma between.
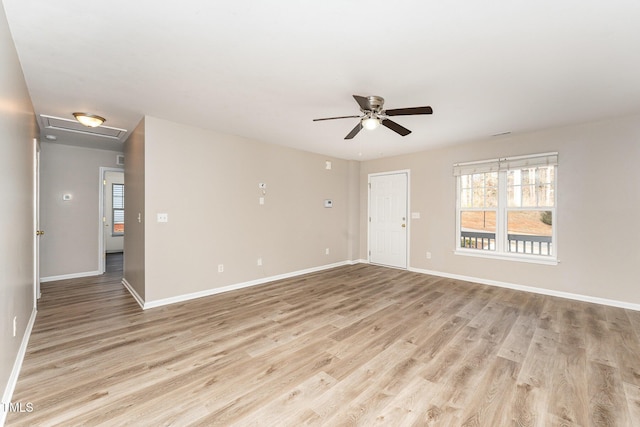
x: 376, y: 103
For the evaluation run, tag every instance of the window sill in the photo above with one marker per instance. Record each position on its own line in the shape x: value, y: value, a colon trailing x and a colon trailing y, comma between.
x: 533, y: 259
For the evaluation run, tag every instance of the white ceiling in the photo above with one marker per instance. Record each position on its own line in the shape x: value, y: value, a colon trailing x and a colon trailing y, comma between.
x: 264, y: 70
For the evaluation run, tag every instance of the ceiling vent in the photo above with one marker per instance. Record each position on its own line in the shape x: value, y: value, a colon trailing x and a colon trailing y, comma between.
x: 58, y: 123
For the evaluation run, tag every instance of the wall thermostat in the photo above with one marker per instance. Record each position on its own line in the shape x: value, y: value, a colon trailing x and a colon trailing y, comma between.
x: 328, y: 203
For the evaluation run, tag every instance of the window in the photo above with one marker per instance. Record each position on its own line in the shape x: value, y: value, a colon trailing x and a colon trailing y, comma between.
x: 117, y: 192
x: 506, y: 207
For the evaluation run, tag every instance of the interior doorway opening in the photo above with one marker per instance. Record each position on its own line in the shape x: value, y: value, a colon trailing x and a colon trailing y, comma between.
x: 112, y: 227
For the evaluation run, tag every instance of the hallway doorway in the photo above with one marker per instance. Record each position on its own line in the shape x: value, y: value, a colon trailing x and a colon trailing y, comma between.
x: 111, y: 238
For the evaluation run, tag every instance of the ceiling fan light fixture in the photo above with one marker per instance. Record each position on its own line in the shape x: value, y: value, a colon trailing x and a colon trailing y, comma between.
x: 370, y: 123
x: 374, y: 115
x: 89, y: 120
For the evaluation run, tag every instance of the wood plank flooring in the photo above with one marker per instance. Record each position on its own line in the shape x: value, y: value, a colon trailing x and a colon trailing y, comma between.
x: 356, y: 345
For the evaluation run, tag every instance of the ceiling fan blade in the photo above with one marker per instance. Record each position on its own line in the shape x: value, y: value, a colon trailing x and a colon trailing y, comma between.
x: 333, y: 118
x: 409, y: 111
x: 363, y: 102
x: 396, y: 127
x: 354, y: 131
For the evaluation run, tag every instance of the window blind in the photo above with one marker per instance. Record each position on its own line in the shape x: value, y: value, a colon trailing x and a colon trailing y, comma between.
x: 505, y: 163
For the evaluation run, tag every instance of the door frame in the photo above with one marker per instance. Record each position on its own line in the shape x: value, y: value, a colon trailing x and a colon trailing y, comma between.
x: 36, y: 222
x: 408, y: 243
x: 102, y: 265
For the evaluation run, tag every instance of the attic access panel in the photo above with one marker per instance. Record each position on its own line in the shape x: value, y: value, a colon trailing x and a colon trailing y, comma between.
x: 58, y: 123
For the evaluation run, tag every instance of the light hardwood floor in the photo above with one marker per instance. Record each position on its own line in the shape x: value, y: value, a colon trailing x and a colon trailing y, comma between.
x: 356, y: 345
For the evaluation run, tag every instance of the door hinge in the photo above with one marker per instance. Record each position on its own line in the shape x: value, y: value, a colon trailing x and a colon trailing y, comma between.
x: 369, y: 186
x: 369, y: 219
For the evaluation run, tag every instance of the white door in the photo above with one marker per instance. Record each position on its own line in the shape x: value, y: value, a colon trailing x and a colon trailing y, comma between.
x: 388, y: 219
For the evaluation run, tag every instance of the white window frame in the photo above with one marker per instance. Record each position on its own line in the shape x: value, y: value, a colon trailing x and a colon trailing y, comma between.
x: 502, y: 166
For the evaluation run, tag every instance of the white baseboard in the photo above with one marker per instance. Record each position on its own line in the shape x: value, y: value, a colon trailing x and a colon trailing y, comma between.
x: 17, y: 366
x: 213, y: 291
x: 542, y: 291
x: 133, y: 293
x: 70, y: 276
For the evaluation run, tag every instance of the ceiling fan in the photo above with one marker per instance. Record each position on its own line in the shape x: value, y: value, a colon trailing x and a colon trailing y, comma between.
x: 373, y: 115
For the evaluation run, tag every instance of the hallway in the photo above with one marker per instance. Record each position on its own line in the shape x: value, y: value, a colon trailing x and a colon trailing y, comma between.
x: 114, y: 264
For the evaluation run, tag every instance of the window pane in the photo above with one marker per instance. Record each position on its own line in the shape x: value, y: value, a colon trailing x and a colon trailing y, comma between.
x: 465, y: 198
x: 465, y: 181
x: 118, y: 208
x: 546, y: 196
x: 478, y: 197
x: 477, y: 180
x: 491, y: 194
x: 479, y: 190
x: 528, y: 195
x: 528, y: 176
x: 118, y: 216
x: 546, y: 175
x: 532, y: 187
x: 530, y: 232
x: 478, y: 230
x: 118, y: 196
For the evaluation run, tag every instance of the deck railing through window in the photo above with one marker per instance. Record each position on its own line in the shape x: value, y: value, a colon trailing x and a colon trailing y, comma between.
x: 478, y: 240
x: 519, y: 243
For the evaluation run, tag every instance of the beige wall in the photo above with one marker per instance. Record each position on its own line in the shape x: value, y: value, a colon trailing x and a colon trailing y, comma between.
x: 353, y: 217
x: 17, y: 130
x: 207, y: 182
x: 597, y: 212
x: 208, y: 185
x: 134, y: 199
x: 70, y: 243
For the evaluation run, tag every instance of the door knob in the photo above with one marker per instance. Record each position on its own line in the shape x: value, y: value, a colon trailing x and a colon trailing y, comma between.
x: 403, y: 225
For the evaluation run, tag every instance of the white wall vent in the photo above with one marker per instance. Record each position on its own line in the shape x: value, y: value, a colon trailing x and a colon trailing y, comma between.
x: 50, y: 122
x: 120, y: 160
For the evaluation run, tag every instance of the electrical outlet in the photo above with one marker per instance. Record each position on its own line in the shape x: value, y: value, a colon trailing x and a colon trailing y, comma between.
x: 259, y: 261
x: 428, y: 255
x: 220, y: 268
x: 326, y: 251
